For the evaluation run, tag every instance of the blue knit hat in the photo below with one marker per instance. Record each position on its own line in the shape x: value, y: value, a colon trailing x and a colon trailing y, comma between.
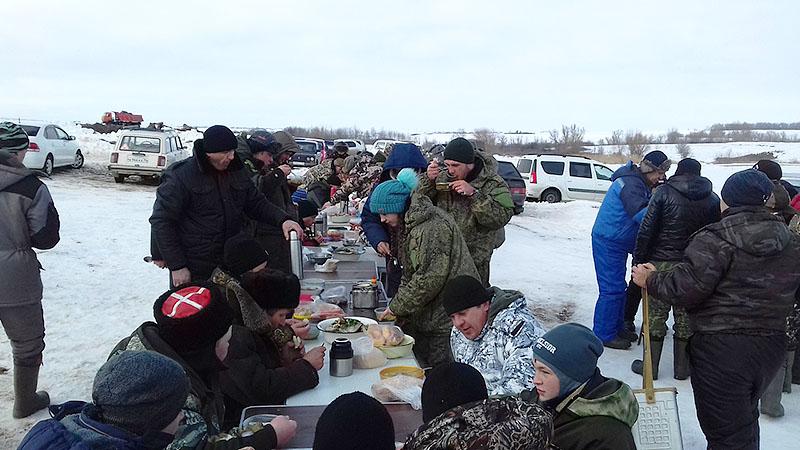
x: 391, y: 197
x: 747, y: 188
x: 571, y: 350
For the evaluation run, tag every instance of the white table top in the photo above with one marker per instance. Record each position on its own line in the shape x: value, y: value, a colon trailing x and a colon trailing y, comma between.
x: 330, y: 388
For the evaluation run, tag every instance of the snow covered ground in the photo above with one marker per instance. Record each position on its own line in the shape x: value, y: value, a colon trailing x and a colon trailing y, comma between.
x: 98, y: 289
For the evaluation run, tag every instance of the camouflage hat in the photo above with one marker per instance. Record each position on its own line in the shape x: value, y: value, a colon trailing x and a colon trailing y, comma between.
x: 13, y: 138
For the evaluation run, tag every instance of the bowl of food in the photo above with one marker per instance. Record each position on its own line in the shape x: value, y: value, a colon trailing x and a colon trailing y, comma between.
x: 339, y: 219
x: 388, y: 319
x: 348, y: 253
x: 319, y: 258
x: 399, y: 351
x: 350, y: 327
x: 410, y: 371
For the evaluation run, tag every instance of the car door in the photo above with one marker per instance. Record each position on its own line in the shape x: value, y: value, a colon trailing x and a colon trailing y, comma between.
x: 52, y: 144
x: 580, y: 182
x: 68, y: 148
x: 524, y: 167
x: 602, y: 181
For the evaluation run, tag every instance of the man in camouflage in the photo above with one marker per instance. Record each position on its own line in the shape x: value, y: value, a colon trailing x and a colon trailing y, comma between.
x: 471, y: 191
x: 738, y: 280
x: 493, y: 331
x: 362, y: 173
x: 431, y: 252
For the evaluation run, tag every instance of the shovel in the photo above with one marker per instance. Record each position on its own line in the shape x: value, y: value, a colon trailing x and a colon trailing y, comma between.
x: 658, y: 425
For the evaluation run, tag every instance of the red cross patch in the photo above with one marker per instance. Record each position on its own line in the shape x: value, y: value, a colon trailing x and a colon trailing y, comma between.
x: 186, y: 302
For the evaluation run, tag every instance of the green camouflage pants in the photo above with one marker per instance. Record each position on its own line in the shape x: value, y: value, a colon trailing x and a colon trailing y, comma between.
x: 659, y: 313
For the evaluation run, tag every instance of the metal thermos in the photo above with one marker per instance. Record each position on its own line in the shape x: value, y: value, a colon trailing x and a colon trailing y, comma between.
x: 319, y: 230
x: 296, y: 252
x: 341, y: 358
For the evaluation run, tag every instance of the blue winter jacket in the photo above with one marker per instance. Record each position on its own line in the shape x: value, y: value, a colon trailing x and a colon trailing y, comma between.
x: 623, y: 208
x: 75, y: 426
x: 402, y: 156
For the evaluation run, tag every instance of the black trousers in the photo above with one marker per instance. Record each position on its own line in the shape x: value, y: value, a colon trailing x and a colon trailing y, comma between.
x: 633, y: 296
x: 729, y: 374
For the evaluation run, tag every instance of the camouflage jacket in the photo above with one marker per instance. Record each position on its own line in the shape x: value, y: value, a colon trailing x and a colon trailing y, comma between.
x: 502, y: 352
x: 431, y: 251
x: 360, y: 180
x: 507, y: 423
x: 480, y: 216
x: 737, y: 275
x: 320, y: 172
x: 204, y: 408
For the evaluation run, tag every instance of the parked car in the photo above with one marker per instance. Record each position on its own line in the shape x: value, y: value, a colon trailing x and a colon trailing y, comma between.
x: 515, y: 182
x: 381, y: 144
x: 355, y: 146
x: 311, y: 152
x: 51, y: 147
x: 556, y: 178
x: 146, y: 153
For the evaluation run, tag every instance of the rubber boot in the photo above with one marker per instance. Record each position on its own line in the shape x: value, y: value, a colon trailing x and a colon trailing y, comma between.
x: 682, y: 369
x: 26, y: 400
x: 629, y: 332
x: 787, y: 377
x: 771, y: 398
x: 637, y: 366
x: 796, y: 373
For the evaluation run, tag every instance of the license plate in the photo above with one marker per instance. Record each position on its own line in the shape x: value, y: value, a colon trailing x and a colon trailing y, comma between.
x: 137, y: 159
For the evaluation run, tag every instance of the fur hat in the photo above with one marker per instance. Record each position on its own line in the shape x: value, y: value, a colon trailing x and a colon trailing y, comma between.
x: 354, y: 421
x: 140, y: 391
x: 192, y: 316
x: 273, y: 289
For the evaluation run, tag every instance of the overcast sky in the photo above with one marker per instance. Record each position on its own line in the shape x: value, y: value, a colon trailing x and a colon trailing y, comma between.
x: 404, y: 65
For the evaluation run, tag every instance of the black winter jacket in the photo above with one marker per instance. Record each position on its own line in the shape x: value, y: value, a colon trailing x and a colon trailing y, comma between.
x: 198, y: 208
x: 738, y: 275
x: 680, y: 207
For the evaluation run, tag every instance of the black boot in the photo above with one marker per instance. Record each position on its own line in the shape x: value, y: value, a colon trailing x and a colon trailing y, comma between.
x: 637, y: 366
x: 629, y: 332
x: 26, y: 400
x: 618, y: 343
x: 787, y: 378
x: 796, y: 373
x: 771, y: 398
x: 682, y: 369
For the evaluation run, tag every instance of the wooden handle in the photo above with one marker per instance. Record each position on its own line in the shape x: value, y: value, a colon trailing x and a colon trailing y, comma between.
x: 647, y: 373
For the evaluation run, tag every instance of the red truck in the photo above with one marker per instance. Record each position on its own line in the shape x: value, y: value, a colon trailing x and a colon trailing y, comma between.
x: 122, y: 118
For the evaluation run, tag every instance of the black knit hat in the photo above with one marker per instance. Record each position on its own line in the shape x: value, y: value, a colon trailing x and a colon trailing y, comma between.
x: 449, y: 385
x: 242, y: 254
x: 769, y: 168
x: 273, y: 289
x: 306, y: 209
x: 219, y: 138
x: 461, y: 150
x: 354, y: 421
x: 140, y: 391
x: 192, y: 316
x: 688, y: 166
x: 463, y: 292
x: 263, y: 141
x: 655, y: 160
x: 747, y: 188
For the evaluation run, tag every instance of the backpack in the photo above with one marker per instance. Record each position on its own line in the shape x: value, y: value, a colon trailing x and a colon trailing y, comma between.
x: 51, y: 434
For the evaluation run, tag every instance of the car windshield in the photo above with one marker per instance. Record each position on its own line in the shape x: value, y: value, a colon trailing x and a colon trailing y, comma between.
x: 524, y: 165
x: 140, y: 144
x: 507, y: 170
x: 31, y: 130
x: 307, y: 147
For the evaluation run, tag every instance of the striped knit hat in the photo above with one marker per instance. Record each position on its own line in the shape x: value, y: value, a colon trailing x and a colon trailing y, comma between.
x: 13, y: 138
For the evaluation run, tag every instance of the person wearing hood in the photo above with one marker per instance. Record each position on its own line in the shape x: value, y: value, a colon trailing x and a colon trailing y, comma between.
x: 193, y: 327
x: 268, y: 162
x: 29, y: 220
x: 431, y: 251
x: 380, y: 237
x: 614, y: 238
x: 737, y: 280
x: 493, y: 331
x: 590, y: 411
x: 678, y: 208
x: 137, y: 401
x: 473, y: 193
x: 201, y: 202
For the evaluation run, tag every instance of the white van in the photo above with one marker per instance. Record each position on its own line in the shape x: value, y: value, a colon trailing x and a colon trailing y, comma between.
x: 145, y: 153
x: 556, y: 178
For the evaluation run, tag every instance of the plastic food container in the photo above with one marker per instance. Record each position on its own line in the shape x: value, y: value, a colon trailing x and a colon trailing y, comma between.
x: 399, y: 351
x: 411, y: 371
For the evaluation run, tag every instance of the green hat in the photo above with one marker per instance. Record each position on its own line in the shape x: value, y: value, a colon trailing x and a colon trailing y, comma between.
x: 13, y: 138
x: 391, y: 197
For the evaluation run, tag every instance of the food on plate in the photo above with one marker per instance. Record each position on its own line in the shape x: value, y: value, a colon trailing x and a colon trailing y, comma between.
x: 348, y: 251
x: 385, y: 335
x: 345, y: 325
x: 335, y: 234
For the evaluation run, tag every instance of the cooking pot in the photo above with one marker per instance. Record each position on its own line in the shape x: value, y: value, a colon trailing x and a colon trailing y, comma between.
x: 364, y: 295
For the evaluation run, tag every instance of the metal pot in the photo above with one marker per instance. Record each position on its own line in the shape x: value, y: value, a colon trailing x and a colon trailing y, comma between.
x: 364, y: 295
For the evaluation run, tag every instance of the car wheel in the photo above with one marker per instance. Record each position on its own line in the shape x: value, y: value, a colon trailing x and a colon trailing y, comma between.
x: 48, y: 165
x: 119, y: 179
x: 78, y: 163
x: 551, y: 196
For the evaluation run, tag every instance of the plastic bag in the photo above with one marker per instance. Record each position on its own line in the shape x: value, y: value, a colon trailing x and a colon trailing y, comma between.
x: 336, y: 295
x: 385, y: 335
x: 399, y: 388
x: 365, y: 355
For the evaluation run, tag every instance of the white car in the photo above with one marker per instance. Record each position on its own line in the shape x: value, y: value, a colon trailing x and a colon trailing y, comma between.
x: 51, y: 147
x: 555, y: 178
x: 146, y: 153
x: 381, y: 144
x: 354, y: 146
